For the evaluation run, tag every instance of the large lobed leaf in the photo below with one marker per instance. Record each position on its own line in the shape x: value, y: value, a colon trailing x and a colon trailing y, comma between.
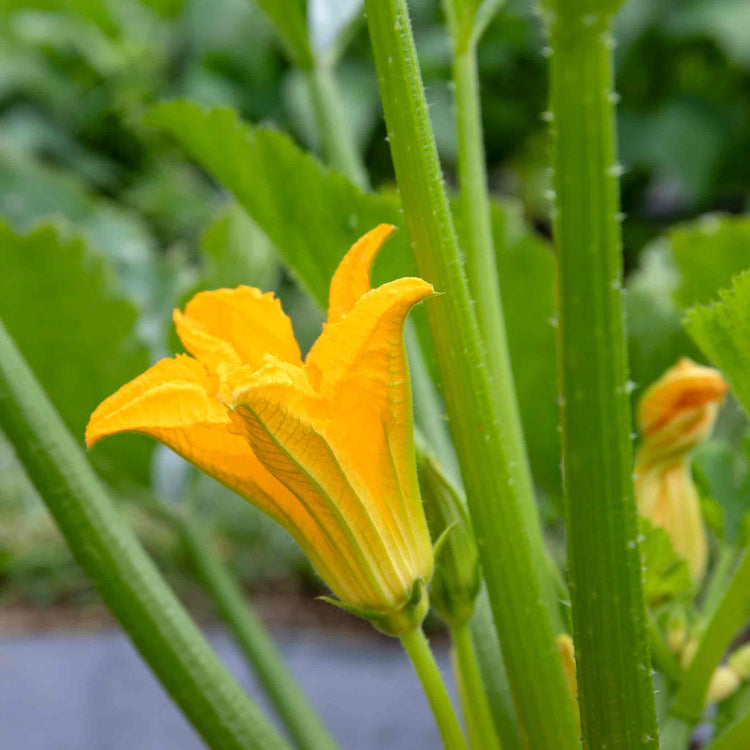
x: 708, y: 252
x: 310, y: 213
x: 722, y: 330
x: 687, y: 266
x: 59, y: 302
x: 289, y: 18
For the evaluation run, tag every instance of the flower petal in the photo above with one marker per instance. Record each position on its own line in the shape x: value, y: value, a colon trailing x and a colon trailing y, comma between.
x: 249, y: 322
x: 285, y: 422
x: 668, y: 498
x: 173, y: 403
x: 359, y: 367
x: 351, y: 281
x: 212, y: 352
x: 684, y: 386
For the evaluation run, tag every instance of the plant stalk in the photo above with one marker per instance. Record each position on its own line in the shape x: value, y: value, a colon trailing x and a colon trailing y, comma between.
x: 735, y: 737
x: 476, y: 710
x: 493, y: 674
x: 125, y: 577
x: 730, y: 616
x: 615, y: 689
x: 480, y: 400
x: 334, y: 129
x: 416, y: 646
x: 298, y: 715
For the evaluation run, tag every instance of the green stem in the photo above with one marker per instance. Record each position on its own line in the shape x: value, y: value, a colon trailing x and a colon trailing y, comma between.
x: 306, y: 728
x: 125, y: 577
x: 479, y: 724
x: 480, y: 260
x: 666, y: 662
x: 721, y: 575
x: 480, y: 400
x: 735, y: 737
x: 615, y: 689
x: 334, y: 128
x: 730, y: 616
x: 492, y: 670
x: 428, y: 407
x: 477, y: 242
x: 418, y: 649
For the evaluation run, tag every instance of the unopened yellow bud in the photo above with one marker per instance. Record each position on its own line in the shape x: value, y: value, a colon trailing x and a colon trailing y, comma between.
x: 675, y: 414
x: 724, y: 682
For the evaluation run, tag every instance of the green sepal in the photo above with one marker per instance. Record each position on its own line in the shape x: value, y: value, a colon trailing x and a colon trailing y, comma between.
x: 396, y: 623
x: 437, y: 548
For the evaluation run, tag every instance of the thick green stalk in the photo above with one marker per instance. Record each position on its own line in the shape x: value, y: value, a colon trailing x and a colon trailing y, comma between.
x: 476, y: 238
x: 418, y: 649
x: 306, y: 728
x: 479, y: 251
x: 721, y: 576
x: 479, y: 724
x: 125, y: 577
x: 481, y: 406
x: 494, y: 676
x: 334, y: 128
x: 730, y: 616
x: 663, y: 657
x: 478, y: 248
x: 615, y: 689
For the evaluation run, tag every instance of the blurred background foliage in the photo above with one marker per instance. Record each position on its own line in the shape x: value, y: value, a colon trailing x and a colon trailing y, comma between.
x: 108, y: 224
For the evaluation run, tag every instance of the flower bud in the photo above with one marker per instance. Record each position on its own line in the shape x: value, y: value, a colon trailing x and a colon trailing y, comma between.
x: 724, y: 682
x: 675, y: 414
x: 739, y: 661
x: 457, y: 577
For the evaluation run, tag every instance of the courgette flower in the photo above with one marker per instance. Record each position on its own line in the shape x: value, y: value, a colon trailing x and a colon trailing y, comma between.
x: 675, y: 414
x: 325, y: 446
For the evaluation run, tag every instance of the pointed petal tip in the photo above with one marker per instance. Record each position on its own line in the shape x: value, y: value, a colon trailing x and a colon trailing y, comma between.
x: 351, y: 280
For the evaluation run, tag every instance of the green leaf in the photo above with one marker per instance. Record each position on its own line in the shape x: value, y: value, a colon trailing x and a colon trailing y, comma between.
x: 469, y: 19
x: 311, y: 214
x: 708, y: 253
x: 96, y: 11
x: 726, y: 475
x: 666, y: 574
x: 656, y: 338
x: 59, y: 302
x: 289, y: 18
x: 237, y: 252
x: 722, y: 331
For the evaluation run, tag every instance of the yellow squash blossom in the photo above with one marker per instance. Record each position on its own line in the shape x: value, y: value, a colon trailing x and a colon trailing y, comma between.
x: 675, y: 414
x: 324, y: 446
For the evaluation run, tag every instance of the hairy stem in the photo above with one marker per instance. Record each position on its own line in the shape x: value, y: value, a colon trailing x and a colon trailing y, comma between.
x: 125, y: 577
x: 476, y: 710
x: 480, y: 400
x: 615, y: 690
x: 334, y: 128
x: 306, y: 728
